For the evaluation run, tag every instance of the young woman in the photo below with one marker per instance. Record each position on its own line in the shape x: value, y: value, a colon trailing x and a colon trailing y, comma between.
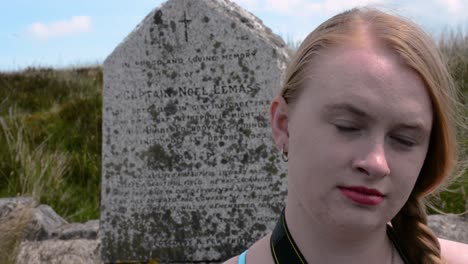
x: 366, y: 118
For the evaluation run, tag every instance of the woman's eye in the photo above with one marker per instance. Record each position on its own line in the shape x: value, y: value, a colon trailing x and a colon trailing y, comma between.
x: 346, y: 128
x: 404, y: 142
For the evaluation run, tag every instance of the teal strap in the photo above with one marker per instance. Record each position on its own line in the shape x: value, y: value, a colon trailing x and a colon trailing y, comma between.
x: 242, y: 258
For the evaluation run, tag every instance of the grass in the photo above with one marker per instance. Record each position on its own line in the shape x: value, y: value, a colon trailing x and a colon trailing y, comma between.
x: 51, y: 127
x: 454, y: 45
x: 32, y: 170
x: 50, y: 133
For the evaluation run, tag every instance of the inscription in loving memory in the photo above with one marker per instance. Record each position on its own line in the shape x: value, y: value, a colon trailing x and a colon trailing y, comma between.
x: 213, y: 122
x: 184, y: 116
x: 197, y: 121
x: 246, y: 114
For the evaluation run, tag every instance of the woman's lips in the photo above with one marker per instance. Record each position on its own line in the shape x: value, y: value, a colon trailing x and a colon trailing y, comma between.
x: 362, y: 195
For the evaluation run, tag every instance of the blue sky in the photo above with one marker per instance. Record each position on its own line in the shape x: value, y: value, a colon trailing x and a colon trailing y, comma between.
x: 57, y: 33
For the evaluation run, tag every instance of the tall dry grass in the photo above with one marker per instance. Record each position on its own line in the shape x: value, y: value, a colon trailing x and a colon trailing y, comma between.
x: 51, y: 129
x: 33, y: 170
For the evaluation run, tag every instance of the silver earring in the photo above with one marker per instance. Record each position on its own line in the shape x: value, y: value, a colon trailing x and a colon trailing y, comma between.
x: 284, y: 154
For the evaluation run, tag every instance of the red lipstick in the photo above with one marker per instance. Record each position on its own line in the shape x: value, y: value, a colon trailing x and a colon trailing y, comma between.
x: 362, y: 195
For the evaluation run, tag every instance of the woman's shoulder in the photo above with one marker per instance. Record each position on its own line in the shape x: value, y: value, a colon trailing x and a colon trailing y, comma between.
x: 454, y: 252
x: 233, y: 260
x: 258, y: 253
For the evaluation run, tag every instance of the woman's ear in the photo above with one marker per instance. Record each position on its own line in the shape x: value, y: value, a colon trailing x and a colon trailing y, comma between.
x: 279, y: 122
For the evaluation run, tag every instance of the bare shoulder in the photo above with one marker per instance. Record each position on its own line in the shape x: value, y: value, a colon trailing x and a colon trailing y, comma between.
x: 454, y: 252
x: 258, y: 253
x: 232, y: 260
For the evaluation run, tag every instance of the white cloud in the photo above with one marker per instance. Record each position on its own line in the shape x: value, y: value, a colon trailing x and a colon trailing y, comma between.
x: 451, y: 5
x: 455, y: 7
x: 75, y: 25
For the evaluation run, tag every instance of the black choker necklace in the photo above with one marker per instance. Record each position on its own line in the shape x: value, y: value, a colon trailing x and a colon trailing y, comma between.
x: 283, y: 247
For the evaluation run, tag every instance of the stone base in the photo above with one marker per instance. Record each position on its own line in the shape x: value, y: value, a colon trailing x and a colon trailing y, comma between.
x: 59, y: 251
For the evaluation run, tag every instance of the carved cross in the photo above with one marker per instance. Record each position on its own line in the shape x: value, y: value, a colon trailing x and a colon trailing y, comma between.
x: 186, y: 22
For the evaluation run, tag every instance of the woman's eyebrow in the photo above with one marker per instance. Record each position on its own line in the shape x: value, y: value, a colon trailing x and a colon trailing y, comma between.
x: 334, y: 107
x: 417, y: 127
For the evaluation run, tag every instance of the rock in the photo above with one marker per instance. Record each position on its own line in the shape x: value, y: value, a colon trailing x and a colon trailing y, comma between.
x: 59, y: 251
x: 450, y: 226
x: 21, y: 213
x: 44, y: 221
x: 37, y: 234
x: 15, y: 217
x: 8, y: 205
x: 88, y: 230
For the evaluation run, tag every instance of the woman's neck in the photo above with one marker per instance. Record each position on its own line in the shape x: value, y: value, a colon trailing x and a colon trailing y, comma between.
x: 329, y: 242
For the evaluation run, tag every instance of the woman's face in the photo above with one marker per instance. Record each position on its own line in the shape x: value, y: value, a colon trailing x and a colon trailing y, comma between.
x: 358, y: 136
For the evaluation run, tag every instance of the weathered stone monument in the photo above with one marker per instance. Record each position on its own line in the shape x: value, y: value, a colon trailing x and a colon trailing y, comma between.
x: 190, y: 171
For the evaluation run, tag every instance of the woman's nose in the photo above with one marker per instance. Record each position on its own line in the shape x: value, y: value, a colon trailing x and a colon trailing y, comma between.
x: 373, y: 162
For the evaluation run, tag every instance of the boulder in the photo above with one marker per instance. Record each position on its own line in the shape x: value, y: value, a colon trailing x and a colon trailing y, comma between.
x: 32, y: 233
x: 9, y: 205
x: 44, y: 222
x: 38, y: 222
x: 15, y: 218
x: 88, y: 230
x: 450, y: 226
x: 56, y: 251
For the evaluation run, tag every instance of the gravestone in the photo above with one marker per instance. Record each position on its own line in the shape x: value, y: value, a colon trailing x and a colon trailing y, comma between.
x: 190, y: 170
